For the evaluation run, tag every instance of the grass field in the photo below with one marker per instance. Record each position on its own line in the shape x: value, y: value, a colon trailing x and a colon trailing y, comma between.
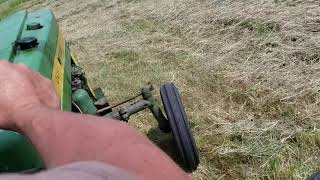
x: 2, y: 1
x: 248, y: 72
x: 10, y: 6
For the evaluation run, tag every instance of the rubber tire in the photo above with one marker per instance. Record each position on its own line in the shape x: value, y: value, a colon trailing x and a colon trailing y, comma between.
x: 315, y: 176
x: 179, y: 126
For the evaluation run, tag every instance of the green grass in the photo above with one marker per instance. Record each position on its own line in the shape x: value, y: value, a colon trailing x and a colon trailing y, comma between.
x: 1, y: 1
x: 8, y: 7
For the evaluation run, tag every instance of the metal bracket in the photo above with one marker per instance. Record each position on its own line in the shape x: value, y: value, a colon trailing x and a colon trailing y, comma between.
x: 130, y: 106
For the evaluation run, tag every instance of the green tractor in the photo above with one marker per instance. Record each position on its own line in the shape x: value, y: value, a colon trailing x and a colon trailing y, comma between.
x: 34, y: 38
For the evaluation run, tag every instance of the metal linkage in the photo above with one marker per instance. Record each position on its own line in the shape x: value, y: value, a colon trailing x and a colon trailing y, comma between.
x: 130, y: 106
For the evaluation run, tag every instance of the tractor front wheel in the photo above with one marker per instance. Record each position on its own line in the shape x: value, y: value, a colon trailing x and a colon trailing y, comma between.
x: 179, y: 126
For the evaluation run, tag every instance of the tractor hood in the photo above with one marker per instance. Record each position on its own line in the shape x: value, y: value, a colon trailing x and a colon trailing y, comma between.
x: 30, y: 38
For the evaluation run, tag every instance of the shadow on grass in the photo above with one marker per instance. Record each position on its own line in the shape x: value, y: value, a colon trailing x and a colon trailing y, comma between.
x: 166, y: 142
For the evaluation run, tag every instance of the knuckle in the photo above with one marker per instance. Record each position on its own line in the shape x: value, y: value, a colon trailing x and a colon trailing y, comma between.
x: 4, y: 63
x: 22, y: 65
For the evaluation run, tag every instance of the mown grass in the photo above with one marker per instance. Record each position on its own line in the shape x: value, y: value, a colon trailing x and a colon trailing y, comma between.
x: 247, y: 71
x: 246, y: 124
x: 8, y: 7
x: 261, y: 138
x: 1, y: 1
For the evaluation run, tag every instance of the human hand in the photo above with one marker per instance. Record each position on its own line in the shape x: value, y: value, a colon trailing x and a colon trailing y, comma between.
x: 22, y: 90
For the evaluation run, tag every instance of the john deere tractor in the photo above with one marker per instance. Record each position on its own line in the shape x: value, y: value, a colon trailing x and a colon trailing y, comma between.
x: 35, y: 39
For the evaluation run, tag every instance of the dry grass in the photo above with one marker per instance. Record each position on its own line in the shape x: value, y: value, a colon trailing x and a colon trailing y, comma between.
x: 8, y: 7
x: 248, y: 72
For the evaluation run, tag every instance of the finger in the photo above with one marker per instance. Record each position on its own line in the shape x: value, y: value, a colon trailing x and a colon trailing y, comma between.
x: 47, y: 93
x: 27, y: 71
x: 4, y: 63
x: 43, y: 87
x: 6, y: 66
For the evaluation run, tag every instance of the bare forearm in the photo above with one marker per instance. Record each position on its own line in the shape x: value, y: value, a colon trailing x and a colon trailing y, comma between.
x: 67, y: 137
x: 27, y: 104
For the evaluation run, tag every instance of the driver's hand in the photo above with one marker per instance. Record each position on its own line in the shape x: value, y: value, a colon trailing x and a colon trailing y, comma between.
x: 22, y: 90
